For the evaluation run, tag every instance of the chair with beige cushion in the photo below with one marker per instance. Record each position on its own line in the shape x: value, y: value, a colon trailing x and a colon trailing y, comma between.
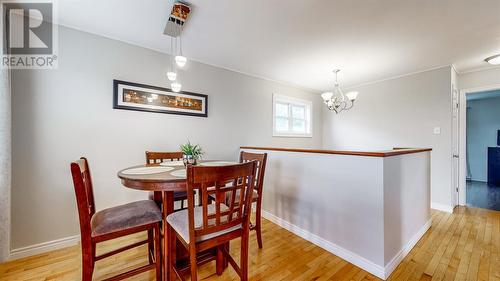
x: 261, y: 159
x: 160, y: 157
x: 199, y: 228
x: 112, y: 223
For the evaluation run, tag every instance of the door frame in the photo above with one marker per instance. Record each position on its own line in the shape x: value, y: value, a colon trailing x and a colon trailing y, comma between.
x: 462, y: 134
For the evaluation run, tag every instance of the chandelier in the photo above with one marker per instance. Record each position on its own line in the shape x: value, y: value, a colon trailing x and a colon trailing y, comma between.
x: 338, y: 101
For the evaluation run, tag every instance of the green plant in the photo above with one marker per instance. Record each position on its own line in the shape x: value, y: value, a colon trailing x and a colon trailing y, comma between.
x: 194, y: 150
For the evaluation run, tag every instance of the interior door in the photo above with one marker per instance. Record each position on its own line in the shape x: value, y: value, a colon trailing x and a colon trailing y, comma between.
x: 455, y: 145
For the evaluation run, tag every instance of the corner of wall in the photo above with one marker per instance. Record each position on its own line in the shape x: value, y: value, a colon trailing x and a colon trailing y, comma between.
x: 5, y: 164
x: 442, y: 207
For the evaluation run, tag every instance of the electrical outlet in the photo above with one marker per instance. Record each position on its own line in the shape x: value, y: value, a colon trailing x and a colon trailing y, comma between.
x: 437, y: 130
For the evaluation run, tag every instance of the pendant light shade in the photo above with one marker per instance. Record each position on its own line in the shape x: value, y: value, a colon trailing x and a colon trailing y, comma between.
x: 352, y: 95
x: 327, y: 96
x: 171, y: 75
x: 180, y: 60
x: 176, y: 87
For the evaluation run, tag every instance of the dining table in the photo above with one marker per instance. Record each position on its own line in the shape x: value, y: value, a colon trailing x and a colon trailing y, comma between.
x: 164, y: 179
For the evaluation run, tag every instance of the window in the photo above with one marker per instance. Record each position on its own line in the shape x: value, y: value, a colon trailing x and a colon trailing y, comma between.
x: 291, y: 117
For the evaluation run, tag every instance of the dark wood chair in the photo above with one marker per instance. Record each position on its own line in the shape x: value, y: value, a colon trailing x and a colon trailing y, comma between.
x: 159, y: 157
x: 112, y: 223
x: 261, y: 159
x: 200, y: 228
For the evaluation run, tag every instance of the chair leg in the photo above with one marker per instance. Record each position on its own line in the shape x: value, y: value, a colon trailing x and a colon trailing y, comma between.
x: 193, y: 263
x: 158, y: 263
x: 219, y: 261
x: 258, y: 224
x: 226, y: 262
x: 88, y: 255
x: 151, y: 245
x: 244, y: 257
x: 172, y: 254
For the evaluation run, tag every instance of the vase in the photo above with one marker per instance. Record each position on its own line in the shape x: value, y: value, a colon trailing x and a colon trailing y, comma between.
x: 188, y: 160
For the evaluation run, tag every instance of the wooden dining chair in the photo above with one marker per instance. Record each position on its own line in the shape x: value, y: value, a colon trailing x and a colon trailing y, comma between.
x: 111, y: 223
x: 200, y: 228
x: 261, y: 160
x: 159, y: 157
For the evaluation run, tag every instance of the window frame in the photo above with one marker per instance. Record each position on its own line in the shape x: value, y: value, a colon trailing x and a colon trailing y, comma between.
x: 307, y: 116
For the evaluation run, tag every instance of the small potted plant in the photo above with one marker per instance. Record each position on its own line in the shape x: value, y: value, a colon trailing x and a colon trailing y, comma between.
x: 191, y: 153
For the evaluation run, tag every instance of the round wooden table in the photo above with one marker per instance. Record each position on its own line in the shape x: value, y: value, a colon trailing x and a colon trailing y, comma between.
x: 163, y: 184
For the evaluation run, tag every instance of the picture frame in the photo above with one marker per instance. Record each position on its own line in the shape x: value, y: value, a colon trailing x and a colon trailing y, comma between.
x: 141, y: 97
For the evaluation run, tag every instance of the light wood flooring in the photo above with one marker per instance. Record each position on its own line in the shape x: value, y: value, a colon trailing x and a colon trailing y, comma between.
x: 460, y: 246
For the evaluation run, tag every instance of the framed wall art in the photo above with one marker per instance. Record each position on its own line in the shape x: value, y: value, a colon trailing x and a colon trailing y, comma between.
x: 140, y: 97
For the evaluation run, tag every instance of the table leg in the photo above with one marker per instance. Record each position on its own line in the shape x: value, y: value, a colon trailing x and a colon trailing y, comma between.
x: 168, y: 208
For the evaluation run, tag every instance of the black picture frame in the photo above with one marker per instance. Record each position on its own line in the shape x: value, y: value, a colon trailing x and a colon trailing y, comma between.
x: 120, y: 104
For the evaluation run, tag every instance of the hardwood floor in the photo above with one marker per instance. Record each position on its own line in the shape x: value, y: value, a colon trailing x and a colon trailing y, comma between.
x: 460, y: 246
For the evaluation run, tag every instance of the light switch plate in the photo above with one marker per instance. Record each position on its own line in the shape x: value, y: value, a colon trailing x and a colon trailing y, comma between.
x: 437, y: 130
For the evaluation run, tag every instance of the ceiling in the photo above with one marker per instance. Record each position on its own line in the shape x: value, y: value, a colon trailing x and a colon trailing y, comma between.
x: 300, y: 42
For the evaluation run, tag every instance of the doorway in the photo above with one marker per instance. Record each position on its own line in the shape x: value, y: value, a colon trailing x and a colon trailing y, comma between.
x: 479, y: 142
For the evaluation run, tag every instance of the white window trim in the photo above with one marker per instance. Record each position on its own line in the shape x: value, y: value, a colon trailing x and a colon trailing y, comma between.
x: 286, y: 99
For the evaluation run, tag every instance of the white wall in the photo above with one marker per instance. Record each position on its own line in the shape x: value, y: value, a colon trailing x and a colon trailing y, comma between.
x: 407, y: 211
x: 5, y: 163
x: 60, y: 115
x: 483, y: 122
x: 316, y: 193
x: 400, y: 112
x: 313, y: 195
x: 481, y: 78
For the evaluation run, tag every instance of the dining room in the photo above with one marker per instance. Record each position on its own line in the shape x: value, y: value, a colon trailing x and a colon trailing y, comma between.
x: 174, y: 140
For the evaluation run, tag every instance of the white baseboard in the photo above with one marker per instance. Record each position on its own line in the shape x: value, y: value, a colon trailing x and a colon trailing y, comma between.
x: 375, y: 269
x: 347, y: 255
x: 44, y: 247
x: 396, y: 260
x: 442, y: 207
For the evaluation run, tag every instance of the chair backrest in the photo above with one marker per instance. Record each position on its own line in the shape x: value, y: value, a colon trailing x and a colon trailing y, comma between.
x: 216, y: 182
x: 158, y: 157
x: 261, y: 159
x: 82, y: 182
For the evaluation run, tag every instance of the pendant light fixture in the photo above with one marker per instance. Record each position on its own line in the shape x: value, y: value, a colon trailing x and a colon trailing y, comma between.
x: 175, y: 86
x: 176, y: 20
x: 336, y: 100
x: 180, y: 60
x: 171, y: 74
